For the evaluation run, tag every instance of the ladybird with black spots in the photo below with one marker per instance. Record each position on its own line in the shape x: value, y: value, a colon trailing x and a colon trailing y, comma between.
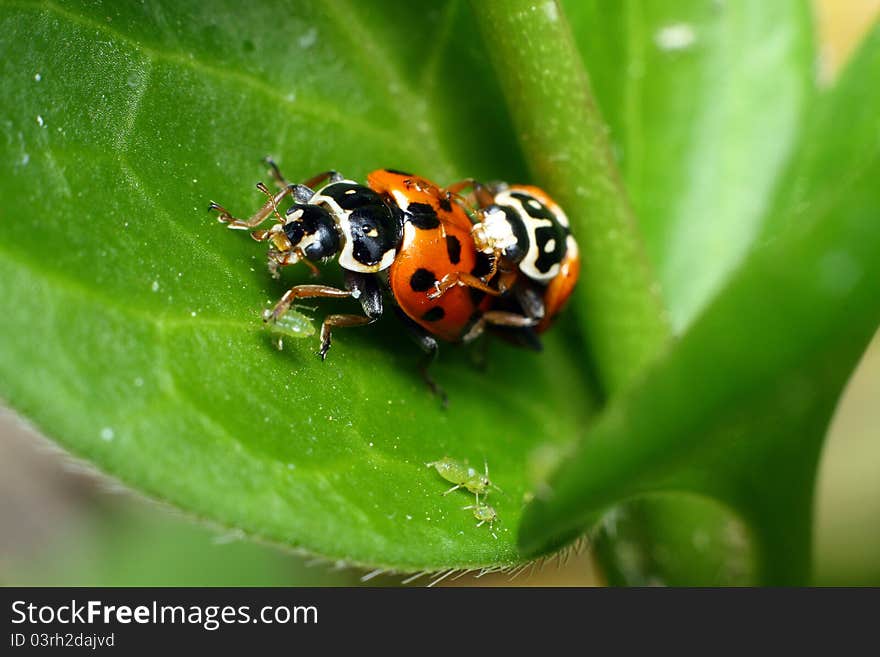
x: 437, y: 252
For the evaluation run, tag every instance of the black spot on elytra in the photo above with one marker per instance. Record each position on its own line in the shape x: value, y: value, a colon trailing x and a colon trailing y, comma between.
x: 483, y: 266
x: 422, y: 280
x: 399, y: 172
x: 422, y: 216
x: 435, y: 314
x: 453, y: 248
x: 445, y: 205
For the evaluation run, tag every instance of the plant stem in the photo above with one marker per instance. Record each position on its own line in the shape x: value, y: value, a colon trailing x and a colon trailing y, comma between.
x: 566, y: 144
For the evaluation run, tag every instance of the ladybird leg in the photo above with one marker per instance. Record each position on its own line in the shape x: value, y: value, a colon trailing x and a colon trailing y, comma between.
x: 498, y: 318
x: 475, y: 331
x: 506, y: 280
x: 277, y: 176
x: 460, y: 278
x: 505, y: 318
x: 314, y: 272
x: 340, y: 321
x: 430, y: 346
x: 257, y: 218
x: 483, y: 194
x: 452, y: 193
x: 480, y: 353
x: 300, y: 193
x: 365, y: 288
x: 526, y: 338
x: 331, y: 175
x: 457, y: 187
x: 278, y: 259
x: 530, y: 300
x: 302, y: 292
x: 521, y: 336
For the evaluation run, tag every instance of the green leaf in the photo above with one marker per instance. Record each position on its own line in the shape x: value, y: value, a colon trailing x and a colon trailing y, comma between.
x: 131, y: 319
x: 768, y: 358
x: 705, y: 102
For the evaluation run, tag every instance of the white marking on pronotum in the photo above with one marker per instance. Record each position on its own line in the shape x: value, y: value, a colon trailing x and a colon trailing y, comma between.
x: 550, y: 245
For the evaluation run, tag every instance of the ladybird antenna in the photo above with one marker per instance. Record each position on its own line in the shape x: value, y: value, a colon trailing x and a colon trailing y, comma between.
x: 271, y: 196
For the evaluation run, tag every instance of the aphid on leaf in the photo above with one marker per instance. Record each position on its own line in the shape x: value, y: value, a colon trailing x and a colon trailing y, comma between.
x: 290, y: 325
x: 484, y: 513
x: 464, y: 476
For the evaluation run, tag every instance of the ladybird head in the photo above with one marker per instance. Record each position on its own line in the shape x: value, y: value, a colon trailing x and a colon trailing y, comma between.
x: 501, y: 231
x: 308, y: 232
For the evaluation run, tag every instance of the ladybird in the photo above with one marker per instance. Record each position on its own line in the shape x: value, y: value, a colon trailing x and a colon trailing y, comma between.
x: 438, y: 253
x: 439, y: 281
x: 530, y: 239
x: 341, y: 219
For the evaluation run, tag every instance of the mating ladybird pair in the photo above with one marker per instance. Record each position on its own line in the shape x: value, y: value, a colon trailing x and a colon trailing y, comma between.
x: 503, y: 257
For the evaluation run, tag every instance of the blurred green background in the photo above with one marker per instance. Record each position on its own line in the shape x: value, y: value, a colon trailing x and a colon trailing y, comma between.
x: 64, y: 524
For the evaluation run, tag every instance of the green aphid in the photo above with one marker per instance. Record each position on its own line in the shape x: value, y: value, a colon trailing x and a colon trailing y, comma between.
x: 291, y: 324
x: 464, y: 476
x: 484, y: 513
